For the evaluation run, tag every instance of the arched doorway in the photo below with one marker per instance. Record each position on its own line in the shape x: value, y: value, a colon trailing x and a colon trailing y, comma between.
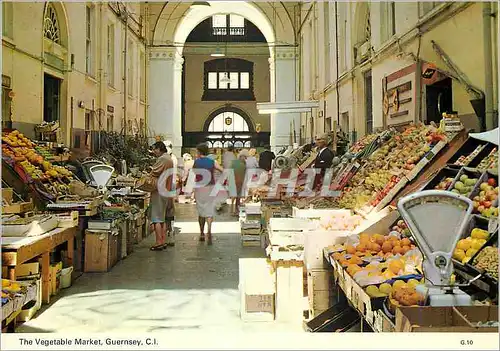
x: 230, y: 126
x: 174, y: 24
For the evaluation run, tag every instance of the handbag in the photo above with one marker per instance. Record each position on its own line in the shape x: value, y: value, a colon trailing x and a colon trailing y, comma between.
x: 148, y: 184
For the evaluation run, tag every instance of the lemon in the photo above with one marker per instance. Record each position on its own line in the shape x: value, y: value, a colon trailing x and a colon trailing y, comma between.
x: 398, y: 284
x: 413, y: 283
x: 464, y: 244
x: 465, y: 260
x: 372, y: 291
x: 471, y: 252
x: 385, y: 288
x: 478, y: 243
x: 478, y: 233
x: 458, y: 254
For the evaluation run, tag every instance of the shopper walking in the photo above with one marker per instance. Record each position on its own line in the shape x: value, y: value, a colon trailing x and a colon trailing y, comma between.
x: 188, y: 165
x: 170, y: 210
x: 239, y: 168
x: 228, y: 157
x: 158, y: 205
x: 205, y: 199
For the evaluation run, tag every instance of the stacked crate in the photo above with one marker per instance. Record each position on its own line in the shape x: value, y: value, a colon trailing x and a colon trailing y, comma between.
x: 250, y: 223
x: 319, y: 291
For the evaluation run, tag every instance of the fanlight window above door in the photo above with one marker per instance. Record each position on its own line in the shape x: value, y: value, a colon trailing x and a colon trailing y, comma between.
x: 228, y: 122
x: 51, y: 25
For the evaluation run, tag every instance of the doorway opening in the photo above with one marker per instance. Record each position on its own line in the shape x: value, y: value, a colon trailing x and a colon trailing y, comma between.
x: 51, y: 98
x: 439, y: 99
x: 229, y: 127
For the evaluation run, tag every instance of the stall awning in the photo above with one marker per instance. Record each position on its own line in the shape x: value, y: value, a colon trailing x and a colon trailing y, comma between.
x: 489, y: 136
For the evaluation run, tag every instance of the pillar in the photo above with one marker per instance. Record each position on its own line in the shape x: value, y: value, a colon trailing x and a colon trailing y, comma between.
x: 283, y: 84
x: 165, y: 96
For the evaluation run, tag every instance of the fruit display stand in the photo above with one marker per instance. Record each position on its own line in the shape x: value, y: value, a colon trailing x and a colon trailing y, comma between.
x: 375, y: 302
x: 15, y: 295
x: 18, y: 250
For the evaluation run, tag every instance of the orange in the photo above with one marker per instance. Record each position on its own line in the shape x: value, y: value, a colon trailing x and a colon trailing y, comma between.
x: 364, y: 238
x: 386, y: 247
x: 405, y: 242
x: 361, y: 247
x: 350, y: 249
x: 379, y: 239
x: 375, y: 247
x: 395, y: 266
x: 397, y: 250
x: 406, y: 248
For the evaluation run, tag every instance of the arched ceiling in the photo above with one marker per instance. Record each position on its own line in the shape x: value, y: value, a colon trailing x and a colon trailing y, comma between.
x: 171, y: 22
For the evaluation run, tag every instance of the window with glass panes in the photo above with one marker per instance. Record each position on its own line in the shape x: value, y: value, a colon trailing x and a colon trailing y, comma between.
x: 89, y: 36
x: 228, y: 24
x: 228, y: 79
x: 111, y: 55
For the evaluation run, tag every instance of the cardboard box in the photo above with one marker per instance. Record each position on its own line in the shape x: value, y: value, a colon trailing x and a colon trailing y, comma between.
x: 257, y: 285
x: 446, y: 319
x: 55, y: 278
x: 259, y: 303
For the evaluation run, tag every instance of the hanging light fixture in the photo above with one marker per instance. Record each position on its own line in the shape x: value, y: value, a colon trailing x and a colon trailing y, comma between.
x: 218, y: 53
x: 200, y: 4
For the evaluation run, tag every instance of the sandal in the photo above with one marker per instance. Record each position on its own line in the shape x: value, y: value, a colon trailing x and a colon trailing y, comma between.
x: 156, y: 248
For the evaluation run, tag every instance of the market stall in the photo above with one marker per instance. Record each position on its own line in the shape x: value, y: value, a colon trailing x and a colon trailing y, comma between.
x: 360, y: 280
x: 50, y: 215
x: 18, y: 250
x: 15, y: 295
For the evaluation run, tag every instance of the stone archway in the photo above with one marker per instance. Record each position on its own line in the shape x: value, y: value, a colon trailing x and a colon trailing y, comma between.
x: 175, y: 23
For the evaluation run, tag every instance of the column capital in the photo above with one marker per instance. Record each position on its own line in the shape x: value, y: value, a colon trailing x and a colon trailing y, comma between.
x: 178, y: 61
x: 285, y: 53
x: 164, y: 53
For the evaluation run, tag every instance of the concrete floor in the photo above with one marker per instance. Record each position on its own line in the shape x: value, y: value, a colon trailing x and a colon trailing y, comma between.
x: 191, y: 286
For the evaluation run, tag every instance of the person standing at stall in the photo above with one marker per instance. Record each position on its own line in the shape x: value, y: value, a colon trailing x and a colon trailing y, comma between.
x: 158, y: 205
x: 266, y: 159
x: 323, y: 159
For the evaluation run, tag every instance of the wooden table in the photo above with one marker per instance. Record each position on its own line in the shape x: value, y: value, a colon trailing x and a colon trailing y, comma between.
x: 16, y: 251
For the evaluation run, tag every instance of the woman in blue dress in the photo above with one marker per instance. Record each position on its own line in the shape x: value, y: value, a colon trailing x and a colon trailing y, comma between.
x: 204, y: 196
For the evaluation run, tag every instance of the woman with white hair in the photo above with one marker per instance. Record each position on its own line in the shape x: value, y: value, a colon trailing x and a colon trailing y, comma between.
x: 188, y: 165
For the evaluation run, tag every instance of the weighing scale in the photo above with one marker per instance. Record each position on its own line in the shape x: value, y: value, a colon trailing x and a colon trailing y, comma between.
x: 437, y: 220
x: 101, y: 174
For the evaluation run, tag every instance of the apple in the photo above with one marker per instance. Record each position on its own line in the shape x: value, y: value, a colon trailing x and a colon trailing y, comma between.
x: 490, y: 195
x: 483, y: 186
x: 476, y: 204
x: 487, y: 204
x: 492, y: 182
x: 480, y: 209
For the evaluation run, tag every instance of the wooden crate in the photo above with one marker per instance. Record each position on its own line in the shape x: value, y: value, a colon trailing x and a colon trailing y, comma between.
x: 101, y: 250
x: 18, y: 207
x: 319, y: 290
